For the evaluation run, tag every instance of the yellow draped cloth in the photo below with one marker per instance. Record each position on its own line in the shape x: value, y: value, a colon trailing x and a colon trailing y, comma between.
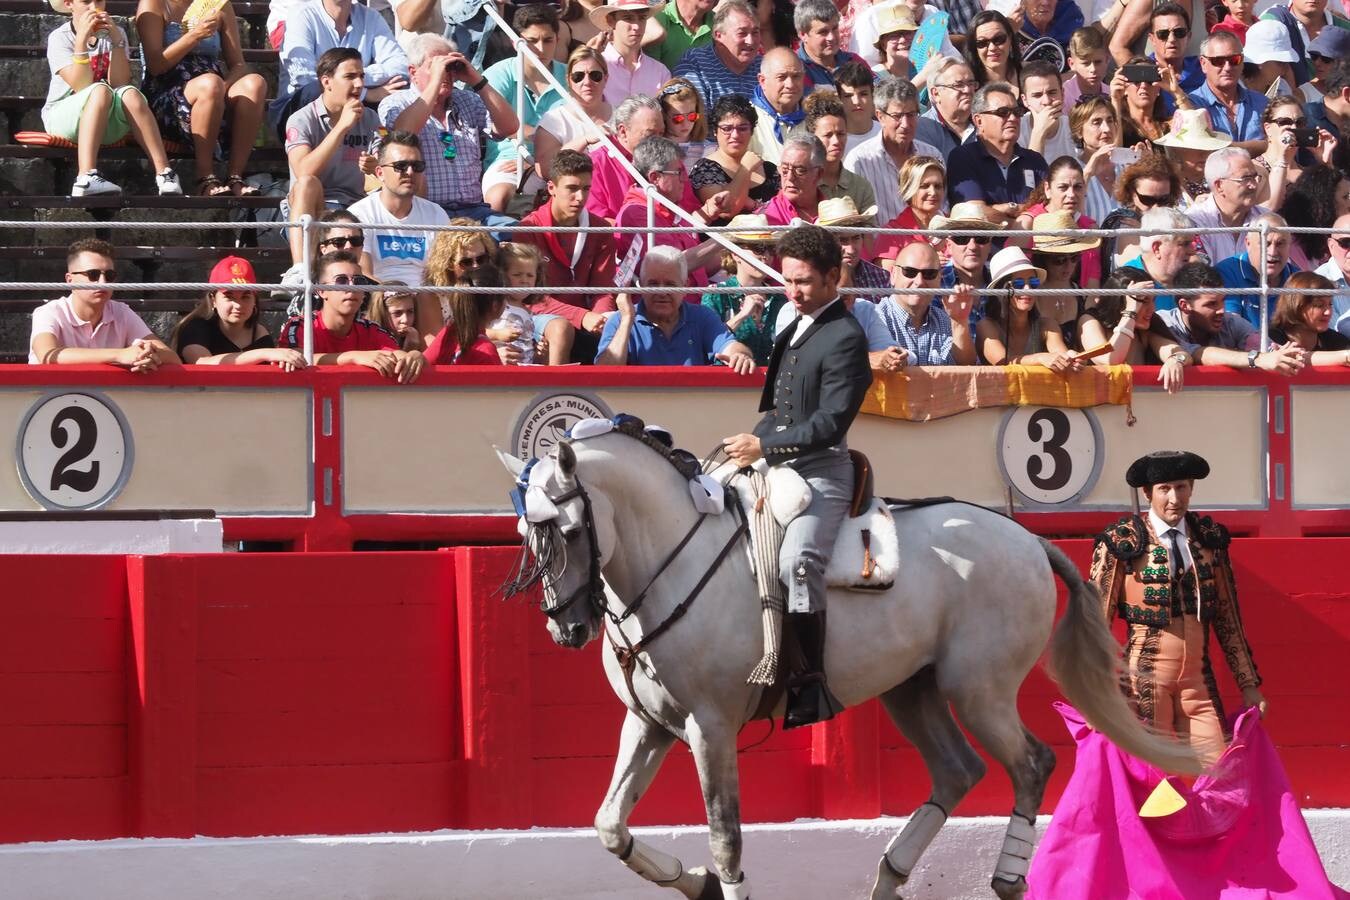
x: 919, y: 394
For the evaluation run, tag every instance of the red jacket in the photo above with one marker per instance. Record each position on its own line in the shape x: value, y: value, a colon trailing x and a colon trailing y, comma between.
x: 444, y: 350
x: 594, y: 266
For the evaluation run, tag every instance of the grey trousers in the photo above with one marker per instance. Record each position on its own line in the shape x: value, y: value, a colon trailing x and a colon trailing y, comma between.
x: 809, y: 539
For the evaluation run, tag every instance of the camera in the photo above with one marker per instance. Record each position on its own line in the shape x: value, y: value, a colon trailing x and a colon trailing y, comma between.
x: 1306, y: 137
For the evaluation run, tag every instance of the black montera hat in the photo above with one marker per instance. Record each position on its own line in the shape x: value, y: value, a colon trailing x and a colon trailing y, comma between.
x: 1165, y: 465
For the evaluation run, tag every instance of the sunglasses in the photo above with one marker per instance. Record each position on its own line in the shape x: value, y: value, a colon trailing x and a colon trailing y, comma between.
x: 345, y: 280
x: 594, y: 75
x: 967, y: 238
x: 1003, y: 112
x: 1151, y: 200
x: 911, y: 272
x: 997, y: 40
x: 471, y: 262
x: 1219, y: 62
x: 1342, y: 242
x: 1018, y: 283
x: 450, y: 151
x: 340, y: 242
x: 403, y: 166
x: 108, y: 275
x: 1181, y: 32
x: 1286, y: 122
x: 672, y: 89
x: 681, y: 118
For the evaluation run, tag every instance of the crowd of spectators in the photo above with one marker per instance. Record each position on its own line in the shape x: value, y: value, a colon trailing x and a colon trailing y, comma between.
x: 939, y: 117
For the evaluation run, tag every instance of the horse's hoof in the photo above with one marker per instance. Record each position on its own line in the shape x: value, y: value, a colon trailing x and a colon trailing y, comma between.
x: 1009, y: 890
x: 712, y: 885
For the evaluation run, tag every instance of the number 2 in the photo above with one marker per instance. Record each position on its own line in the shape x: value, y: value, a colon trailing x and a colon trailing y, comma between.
x: 86, y: 438
x: 1057, y: 424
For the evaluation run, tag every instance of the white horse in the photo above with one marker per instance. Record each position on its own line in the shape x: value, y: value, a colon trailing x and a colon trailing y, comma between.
x: 969, y: 616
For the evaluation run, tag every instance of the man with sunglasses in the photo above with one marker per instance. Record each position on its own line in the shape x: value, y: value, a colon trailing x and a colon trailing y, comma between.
x: 931, y: 331
x: 449, y: 120
x: 1332, y: 112
x: 1337, y: 271
x: 967, y: 255
x: 991, y: 166
x: 1305, y: 21
x: 325, y: 143
x: 1233, y: 109
x: 87, y: 326
x: 398, y: 255
x: 1169, y: 34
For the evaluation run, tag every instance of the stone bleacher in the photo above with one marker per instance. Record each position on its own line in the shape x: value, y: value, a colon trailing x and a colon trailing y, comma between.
x: 35, y: 186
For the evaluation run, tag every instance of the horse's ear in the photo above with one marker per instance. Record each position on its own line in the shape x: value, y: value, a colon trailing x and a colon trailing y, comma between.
x: 514, y: 464
x: 567, y: 459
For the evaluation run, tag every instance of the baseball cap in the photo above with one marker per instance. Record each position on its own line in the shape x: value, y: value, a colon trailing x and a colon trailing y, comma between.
x: 233, y: 270
x: 1333, y: 43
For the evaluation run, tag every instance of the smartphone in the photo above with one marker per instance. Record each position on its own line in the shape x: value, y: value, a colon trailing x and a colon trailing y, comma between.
x: 1306, y: 137
x: 1124, y: 156
x: 1142, y: 73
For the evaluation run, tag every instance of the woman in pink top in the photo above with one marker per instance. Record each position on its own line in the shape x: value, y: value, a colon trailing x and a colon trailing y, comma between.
x: 923, y: 185
x: 1064, y: 191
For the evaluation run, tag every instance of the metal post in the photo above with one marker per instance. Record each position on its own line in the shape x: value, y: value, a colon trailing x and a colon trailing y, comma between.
x: 307, y: 263
x: 1265, y: 290
x: 521, y: 51
x: 650, y: 190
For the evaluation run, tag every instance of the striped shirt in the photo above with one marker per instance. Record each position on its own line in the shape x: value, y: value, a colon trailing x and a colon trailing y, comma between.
x: 450, y: 148
x: 704, y: 69
x: 930, y: 344
x: 870, y: 160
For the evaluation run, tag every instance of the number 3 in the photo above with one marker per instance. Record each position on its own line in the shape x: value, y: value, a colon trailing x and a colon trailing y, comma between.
x: 1054, y: 421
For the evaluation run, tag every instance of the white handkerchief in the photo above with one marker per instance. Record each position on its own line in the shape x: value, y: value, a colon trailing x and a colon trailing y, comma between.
x: 708, y: 495
x: 585, y: 428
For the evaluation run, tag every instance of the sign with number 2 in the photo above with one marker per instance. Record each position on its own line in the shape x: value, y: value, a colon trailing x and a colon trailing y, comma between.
x: 75, y: 451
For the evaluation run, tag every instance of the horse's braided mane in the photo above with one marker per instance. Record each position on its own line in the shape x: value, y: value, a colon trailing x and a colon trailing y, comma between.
x: 684, y: 462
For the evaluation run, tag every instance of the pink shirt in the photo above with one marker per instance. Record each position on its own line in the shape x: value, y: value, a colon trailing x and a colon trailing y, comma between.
x: 610, y: 182
x: 780, y: 211
x: 623, y: 82
x: 117, y: 328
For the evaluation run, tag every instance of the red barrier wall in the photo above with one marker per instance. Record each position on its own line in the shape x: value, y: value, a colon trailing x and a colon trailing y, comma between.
x: 246, y: 694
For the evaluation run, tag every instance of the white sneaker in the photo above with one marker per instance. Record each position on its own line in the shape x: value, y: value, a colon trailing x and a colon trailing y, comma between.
x: 293, y: 286
x: 168, y: 185
x: 92, y: 184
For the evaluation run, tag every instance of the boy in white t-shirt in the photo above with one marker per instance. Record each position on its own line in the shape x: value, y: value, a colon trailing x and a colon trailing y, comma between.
x: 91, y: 100
x: 398, y: 255
x: 1045, y: 129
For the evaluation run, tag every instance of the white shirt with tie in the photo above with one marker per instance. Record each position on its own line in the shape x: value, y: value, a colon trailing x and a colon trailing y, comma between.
x: 1162, y: 530
x: 806, y: 321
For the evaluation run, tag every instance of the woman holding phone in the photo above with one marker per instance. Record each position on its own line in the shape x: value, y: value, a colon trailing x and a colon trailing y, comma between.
x: 1136, y: 91
x: 1095, y: 128
x: 1288, y: 153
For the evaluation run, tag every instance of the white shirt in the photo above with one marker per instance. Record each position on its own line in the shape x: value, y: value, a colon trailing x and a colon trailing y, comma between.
x: 1162, y: 529
x: 853, y: 140
x: 1219, y: 246
x: 399, y: 255
x: 1340, y: 303
x: 864, y: 310
x: 806, y: 321
x: 870, y: 160
x: 1058, y: 144
x: 432, y: 21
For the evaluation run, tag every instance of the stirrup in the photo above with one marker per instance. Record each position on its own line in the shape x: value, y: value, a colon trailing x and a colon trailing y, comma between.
x: 810, y: 701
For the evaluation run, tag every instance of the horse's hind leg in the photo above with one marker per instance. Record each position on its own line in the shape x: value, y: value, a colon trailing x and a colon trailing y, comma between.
x: 923, y: 717
x: 642, y: 749
x: 991, y: 715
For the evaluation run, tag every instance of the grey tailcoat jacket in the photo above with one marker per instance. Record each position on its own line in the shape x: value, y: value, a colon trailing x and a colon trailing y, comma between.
x: 814, y: 387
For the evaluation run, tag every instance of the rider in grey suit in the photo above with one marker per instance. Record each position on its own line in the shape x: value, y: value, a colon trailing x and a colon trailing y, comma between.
x: 817, y: 378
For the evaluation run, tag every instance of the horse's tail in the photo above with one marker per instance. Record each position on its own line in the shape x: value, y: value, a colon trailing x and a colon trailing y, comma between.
x: 1083, y: 661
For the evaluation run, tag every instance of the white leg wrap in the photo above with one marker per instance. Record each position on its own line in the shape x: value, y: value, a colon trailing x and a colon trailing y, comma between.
x: 738, y: 891
x: 652, y: 864
x: 907, y: 846
x: 1018, y: 845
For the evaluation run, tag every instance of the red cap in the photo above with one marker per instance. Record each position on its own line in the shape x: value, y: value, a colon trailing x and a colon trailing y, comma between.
x: 233, y: 270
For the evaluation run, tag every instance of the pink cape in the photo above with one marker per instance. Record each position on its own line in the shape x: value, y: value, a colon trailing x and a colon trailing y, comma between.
x: 1240, y: 835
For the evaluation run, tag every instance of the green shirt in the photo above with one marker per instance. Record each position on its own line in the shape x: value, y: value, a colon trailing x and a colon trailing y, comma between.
x: 678, y: 38
x: 759, y: 338
x: 852, y: 185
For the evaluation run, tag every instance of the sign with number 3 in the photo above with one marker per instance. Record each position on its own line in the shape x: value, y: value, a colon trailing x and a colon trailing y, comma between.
x: 75, y: 451
x: 1049, y: 455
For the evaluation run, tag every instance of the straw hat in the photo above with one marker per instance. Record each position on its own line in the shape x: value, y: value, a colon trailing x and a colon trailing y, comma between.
x: 754, y: 230
x: 1060, y: 243
x: 842, y: 211
x: 1009, y: 262
x: 600, y: 15
x: 968, y: 214
x: 894, y: 17
x: 1194, y: 133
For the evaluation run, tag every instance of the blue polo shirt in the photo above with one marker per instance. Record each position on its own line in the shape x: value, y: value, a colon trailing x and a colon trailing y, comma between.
x: 1238, y: 272
x: 699, y: 335
x: 817, y: 76
x: 1160, y: 301
x: 1250, y: 106
x: 975, y: 175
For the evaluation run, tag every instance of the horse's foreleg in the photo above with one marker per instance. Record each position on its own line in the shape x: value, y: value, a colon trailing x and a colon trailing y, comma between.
x: 642, y: 749
x: 714, y: 750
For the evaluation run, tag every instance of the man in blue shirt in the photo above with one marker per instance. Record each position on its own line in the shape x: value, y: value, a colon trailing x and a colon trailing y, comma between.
x: 991, y: 165
x: 1332, y: 112
x: 730, y: 64
x: 817, y: 24
x: 1233, y: 109
x: 1162, y: 254
x: 1169, y: 33
x: 663, y: 330
x: 930, y: 334
x: 1239, y: 270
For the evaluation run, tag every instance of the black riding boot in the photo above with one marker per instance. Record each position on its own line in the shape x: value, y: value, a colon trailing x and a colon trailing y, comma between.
x: 809, y: 697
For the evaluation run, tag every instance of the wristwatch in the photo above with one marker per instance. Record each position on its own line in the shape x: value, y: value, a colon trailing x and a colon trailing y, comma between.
x: 1251, y: 358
